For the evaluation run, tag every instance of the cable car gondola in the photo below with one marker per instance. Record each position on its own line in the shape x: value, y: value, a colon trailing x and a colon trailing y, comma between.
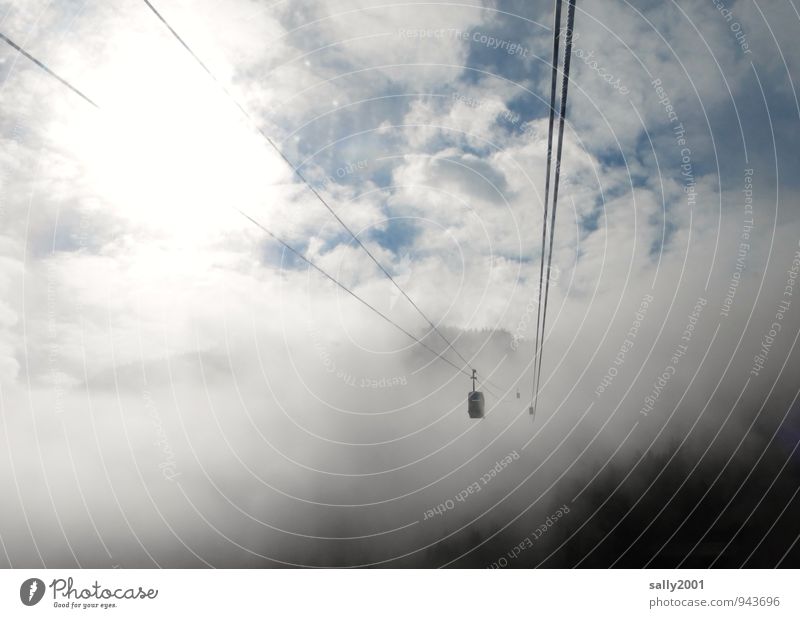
x: 475, y: 400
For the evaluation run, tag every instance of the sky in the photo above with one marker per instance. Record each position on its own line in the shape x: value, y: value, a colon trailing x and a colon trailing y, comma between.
x: 178, y: 390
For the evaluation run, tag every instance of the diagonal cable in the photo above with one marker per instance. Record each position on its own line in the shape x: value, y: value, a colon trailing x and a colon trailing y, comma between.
x: 372, y: 308
x: 553, y: 84
x: 297, y: 172
x: 562, y: 115
x: 45, y: 68
x: 325, y: 274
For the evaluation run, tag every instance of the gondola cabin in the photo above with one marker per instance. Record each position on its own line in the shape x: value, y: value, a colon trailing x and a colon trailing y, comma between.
x: 475, y: 408
x: 475, y: 403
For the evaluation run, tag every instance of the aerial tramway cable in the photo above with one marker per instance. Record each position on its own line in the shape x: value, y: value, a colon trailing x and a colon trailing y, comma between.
x: 50, y: 72
x: 299, y: 174
x: 562, y: 116
x: 553, y: 84
x: 324, y: 273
